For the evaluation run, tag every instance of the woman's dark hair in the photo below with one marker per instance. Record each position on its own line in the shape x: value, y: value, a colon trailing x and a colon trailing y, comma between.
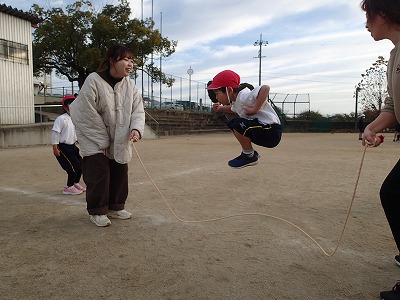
x: 389, y: 9
x: 115, y: 53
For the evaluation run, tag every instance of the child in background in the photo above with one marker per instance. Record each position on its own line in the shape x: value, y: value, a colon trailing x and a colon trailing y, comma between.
x: 397, y: 133
x: 257, y: 122
x: 65, y: 150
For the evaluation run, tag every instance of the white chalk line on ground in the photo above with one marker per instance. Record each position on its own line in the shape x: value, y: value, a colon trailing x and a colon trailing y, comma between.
x: 68, y: 199
x: 64, y: 199
x: 73, y: 200
x: 173, y: 175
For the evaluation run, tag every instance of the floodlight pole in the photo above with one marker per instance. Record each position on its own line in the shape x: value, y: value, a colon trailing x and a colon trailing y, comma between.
x: 260, y: 43
x: 190, y: 73
x: 152, y: 57
x: 161, y: 54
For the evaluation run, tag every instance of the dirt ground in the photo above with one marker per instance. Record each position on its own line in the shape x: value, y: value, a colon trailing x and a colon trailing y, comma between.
x: 50, y: 249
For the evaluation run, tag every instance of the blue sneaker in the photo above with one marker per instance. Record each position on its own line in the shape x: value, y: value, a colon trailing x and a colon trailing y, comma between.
x: 394, y: 294
x: 244, y: 161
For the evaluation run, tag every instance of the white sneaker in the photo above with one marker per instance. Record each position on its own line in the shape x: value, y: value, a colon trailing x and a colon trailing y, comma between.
x: 100, y: 220
x: 119, y: 214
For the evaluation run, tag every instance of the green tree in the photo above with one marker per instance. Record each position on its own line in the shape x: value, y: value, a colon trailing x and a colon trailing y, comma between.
x: 73, y: 42
x: 342, y: 117
x: 309, y: 115
x: 372, y: 89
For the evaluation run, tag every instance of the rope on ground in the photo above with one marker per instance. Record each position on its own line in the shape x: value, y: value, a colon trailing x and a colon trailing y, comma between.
x: 262, y: 214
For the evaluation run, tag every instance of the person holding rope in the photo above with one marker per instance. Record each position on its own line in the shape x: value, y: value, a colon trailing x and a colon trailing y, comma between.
x: 108, y: 116
x: 257, y: 122
x: 383, y: 22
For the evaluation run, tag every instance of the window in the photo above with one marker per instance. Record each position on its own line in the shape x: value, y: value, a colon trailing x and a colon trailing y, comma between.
x: 14, y: 52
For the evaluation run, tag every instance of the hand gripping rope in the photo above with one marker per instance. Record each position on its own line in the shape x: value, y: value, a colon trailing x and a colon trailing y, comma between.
x: 266, y: 215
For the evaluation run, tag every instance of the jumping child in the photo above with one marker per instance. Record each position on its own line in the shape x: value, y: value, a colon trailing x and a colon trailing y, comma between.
x: 65, y: 150
x: 257, y: 122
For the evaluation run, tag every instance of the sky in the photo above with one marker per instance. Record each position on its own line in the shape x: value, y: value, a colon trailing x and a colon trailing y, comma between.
x: 314, y: 49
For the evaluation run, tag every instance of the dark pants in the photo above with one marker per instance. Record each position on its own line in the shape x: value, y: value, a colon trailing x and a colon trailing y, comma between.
x: 71, y: 162
x: 260, y: 134
x: 390, y: 199
x: 106, y: 184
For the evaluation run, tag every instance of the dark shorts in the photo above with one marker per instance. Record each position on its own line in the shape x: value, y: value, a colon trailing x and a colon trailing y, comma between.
x: 260, y: 134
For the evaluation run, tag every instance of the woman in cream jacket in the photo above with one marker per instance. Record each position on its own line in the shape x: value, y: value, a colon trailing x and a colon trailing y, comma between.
x: 108, y: 115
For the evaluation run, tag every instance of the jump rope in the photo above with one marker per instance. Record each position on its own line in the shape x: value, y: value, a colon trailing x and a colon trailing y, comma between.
x: 266, y: 215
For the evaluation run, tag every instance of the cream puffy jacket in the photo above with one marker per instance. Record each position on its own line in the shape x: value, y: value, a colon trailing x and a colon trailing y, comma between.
x: 104, y: 117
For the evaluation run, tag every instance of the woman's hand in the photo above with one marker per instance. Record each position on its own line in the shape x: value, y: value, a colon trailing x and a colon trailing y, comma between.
x: 134, y: 136
x: 384, y: 120
x: 370, y: 139
x: 106, y: 152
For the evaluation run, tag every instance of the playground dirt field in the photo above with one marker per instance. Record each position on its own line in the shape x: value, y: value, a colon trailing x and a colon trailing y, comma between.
x: 278, y: 215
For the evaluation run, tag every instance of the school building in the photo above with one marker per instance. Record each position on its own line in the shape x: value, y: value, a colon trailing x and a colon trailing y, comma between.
x: 16, y: 66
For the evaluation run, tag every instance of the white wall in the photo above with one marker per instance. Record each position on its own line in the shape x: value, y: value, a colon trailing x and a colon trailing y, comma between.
x: 39, y: 134
x: 16, y: 79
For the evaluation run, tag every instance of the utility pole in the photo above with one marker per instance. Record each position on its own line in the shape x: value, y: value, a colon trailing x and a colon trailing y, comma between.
x: 152, y: 57
x: 160, y: 59
x: 260, y: 43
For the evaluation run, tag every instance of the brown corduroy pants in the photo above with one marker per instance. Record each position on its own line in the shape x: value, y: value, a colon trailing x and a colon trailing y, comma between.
x: 106, y: 184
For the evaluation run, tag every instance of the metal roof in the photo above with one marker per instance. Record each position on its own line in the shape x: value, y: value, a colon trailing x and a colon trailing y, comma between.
x: 34, y: 19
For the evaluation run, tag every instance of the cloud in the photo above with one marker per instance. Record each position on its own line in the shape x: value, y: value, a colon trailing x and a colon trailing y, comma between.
x: 316, y: 47
x: 313, y: 47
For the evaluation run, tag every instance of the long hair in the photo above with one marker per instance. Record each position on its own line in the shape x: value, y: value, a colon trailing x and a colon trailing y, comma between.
x: 242, y: 86
x: 115, y: 53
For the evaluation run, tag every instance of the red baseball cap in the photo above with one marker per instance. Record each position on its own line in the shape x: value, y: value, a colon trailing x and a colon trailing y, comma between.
x: 66, y: 97
x: 225, y: 78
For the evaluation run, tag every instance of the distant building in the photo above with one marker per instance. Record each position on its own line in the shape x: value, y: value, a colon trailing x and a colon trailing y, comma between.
x: 16, y: 66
